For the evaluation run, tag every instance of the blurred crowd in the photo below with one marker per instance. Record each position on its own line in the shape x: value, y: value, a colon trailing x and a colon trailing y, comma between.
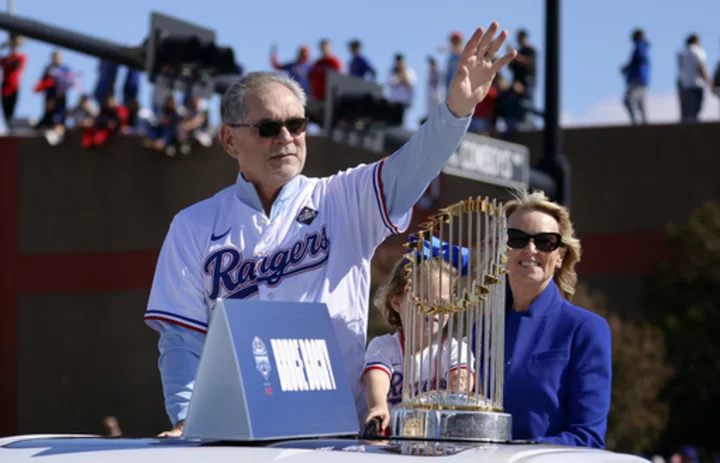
x: 170, y: 124
x: 509, y: 106
x: 693, y: 78
x: 166, y: 125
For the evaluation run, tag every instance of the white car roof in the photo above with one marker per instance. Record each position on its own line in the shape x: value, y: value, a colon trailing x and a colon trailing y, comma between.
x: 78, y: 448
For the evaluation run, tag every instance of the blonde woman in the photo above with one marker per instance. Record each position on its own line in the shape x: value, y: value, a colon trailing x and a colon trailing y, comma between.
x: 557, y: 355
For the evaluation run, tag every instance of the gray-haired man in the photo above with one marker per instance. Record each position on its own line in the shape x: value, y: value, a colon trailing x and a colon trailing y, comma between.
x: 278, y: 235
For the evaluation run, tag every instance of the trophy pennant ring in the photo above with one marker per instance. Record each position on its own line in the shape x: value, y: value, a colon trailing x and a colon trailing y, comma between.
x: 454, y: 338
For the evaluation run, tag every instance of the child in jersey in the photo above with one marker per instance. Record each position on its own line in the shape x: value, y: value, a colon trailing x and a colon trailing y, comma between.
x: 382, y: 377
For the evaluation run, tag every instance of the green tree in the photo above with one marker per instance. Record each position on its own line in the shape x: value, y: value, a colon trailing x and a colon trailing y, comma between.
x: 683, y: 299
x: 637, y: 415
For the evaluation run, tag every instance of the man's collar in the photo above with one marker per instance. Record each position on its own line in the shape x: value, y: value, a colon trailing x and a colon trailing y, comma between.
x: 247, y: 194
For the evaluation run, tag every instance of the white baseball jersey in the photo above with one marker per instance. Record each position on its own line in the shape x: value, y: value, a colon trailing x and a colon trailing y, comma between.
x: 386, y: 353
x: 317, y: 248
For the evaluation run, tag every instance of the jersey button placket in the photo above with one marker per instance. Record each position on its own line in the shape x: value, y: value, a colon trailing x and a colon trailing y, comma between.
x: 262, y: 290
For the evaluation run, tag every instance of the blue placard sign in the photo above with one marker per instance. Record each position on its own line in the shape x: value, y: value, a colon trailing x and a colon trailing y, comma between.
x: 270, y: 370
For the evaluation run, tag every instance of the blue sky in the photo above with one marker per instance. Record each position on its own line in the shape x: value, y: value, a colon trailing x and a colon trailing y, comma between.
x: 595, y: 34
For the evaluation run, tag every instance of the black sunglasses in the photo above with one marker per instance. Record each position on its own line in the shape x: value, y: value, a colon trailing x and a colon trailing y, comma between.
x: 270, y: 129
x: 545, y: 242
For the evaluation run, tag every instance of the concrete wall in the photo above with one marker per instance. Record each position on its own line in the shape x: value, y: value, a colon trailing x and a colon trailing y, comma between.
x: 636, y: 179
x: 80, y: 232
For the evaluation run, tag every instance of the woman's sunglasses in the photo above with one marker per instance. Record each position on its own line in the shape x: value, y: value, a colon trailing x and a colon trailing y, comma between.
x: 545, y: 242
x: 271, y: 129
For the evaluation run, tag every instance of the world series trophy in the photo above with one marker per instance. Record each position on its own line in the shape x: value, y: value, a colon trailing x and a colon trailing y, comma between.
x: 470, y: 338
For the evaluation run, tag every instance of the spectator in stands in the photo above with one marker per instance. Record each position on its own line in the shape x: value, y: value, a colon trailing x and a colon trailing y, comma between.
x: 131, y: 88
x: 298, y: 69
x: 436, y: 90
x: 692, y: 77
x: 107, y: 75
x: 52, y: 121
x: 454, y: 51
x: 13, y: 65
x: 134, y: 125
x: 637, y: 78
x: 194, y: 117
x: 401, y: 82
x: 163, y: 133
x: 359, y: 66
x: 55, y: 82
x: 109, y: 121
x: 509, y: 106
x: 483, y: 120
x: 83, y: 114
x: 523, y: 67
x: 318, y: 73
x: 162, y: 90
x: 199, y: 104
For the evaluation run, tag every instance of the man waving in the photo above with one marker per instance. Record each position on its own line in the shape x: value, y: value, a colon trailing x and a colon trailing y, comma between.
x: 278, y: 235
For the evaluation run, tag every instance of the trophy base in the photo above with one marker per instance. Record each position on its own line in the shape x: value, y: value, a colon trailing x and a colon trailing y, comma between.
x: 451, y: 425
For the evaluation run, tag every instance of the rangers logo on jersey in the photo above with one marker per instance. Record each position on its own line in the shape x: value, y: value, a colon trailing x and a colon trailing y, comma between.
x: 240, y: 277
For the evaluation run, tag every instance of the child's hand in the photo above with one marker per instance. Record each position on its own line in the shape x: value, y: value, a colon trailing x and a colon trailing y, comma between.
x: 382, y: 413
x: 460, y: 377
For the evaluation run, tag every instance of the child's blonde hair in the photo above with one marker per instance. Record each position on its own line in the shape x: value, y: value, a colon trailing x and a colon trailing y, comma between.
x: 398, y: 281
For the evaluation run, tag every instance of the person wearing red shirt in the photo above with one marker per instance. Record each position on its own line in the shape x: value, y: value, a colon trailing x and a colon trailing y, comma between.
x: 111, y: 119
x: 13, y: 66
x: 483, y: 120
x: 318, y: 73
